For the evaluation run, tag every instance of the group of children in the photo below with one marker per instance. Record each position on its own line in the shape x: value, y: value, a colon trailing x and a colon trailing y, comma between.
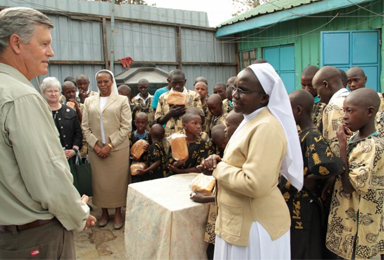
x: 198, y: 121
x: 339, y: 211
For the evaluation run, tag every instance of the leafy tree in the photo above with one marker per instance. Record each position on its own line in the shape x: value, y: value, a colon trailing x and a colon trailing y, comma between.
x: 244, y: 5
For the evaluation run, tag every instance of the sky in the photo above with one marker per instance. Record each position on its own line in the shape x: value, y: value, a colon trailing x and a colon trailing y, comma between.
x: 218, y: 10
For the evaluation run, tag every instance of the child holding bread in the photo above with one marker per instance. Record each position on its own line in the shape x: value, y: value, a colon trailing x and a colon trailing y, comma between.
x: 140, y: 141
x: 198, y: 149
x: 156, y: 155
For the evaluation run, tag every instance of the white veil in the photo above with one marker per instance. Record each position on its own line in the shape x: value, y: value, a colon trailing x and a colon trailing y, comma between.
x: 280, y: 107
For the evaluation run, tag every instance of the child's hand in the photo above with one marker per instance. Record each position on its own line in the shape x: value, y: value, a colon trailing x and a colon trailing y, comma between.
x: 310, y: 182
x: 198, y: 197
x: 173, y: 168
x: 146, y: 146
x: 328, y: 188
x: 342, y: 133
x: 141, y: 172
x: 179, y: 163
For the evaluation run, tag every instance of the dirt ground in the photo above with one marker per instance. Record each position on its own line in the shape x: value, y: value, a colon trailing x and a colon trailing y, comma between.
x: 100, y: 243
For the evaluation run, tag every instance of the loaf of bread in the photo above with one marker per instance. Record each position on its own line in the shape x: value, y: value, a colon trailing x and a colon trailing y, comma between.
x: 138, y: 149
x: 176, y: 98
x: 70, y: 104
x: 137, y: 166
x: 203, y: 184
x: 179, y: 146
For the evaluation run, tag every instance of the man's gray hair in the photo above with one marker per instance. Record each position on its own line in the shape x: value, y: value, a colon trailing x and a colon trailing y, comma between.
x: 50, y: 82
x: 20, y: 21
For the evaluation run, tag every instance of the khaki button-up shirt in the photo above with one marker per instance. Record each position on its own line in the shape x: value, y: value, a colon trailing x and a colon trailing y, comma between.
x: 35, y: 181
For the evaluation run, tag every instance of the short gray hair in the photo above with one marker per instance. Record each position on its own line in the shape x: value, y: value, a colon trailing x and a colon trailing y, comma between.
x: 50, y: 82
x: 20, y: 21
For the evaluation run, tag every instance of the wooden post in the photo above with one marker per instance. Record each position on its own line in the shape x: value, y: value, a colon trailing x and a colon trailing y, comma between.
x: 178, y: 48
x: 105, y: 46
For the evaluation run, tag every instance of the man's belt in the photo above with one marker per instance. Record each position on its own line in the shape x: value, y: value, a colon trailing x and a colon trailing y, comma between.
x: 34, y: 224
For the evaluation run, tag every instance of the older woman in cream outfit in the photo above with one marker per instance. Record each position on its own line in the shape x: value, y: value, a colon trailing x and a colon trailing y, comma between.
x: 106, y: 125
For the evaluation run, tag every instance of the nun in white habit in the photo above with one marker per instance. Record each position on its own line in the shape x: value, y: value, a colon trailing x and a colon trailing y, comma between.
x: 253, y: 220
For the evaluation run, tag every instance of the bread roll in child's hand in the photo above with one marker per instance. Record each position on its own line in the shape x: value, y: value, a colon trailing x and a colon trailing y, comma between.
x: 176, y: 98
x: 138, y: 149
x: 136, y: 167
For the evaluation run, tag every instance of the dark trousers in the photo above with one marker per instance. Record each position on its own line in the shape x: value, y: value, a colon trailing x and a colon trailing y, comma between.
x: 50, y: 241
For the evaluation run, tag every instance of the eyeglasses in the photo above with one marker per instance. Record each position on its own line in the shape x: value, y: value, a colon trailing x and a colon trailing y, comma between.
x: 244, y: 92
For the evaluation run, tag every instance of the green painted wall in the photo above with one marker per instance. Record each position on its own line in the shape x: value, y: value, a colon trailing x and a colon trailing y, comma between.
x: 304, y: 33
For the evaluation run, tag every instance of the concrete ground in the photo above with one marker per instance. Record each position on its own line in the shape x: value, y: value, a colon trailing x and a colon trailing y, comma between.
x: 100, y: 243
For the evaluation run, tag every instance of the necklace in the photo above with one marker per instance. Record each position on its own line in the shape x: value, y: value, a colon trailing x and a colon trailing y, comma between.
x: 55, y: 115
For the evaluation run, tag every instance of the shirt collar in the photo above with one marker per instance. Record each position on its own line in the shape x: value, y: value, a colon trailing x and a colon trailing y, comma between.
x: 185, y: 91
x: 343, y: 92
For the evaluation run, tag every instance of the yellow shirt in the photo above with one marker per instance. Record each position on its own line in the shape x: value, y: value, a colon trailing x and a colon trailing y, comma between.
x: 359, y: 216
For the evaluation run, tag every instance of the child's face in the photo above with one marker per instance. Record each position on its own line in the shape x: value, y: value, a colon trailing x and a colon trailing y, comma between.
x: 230, y: 128
x: 355, y: 117
x: 143, y: 89
x: 228, y: 93
x: 294, y: 111
x: 201, y: 89
x: 220, y: 142
x: 194, y: 126
x: 216, y: 109
x: 220, y: 91
x: 141, y: 123
x: 306, y: 83
x: 356, y: 81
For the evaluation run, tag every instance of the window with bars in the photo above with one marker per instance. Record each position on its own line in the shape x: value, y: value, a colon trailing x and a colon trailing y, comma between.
x: 247, y: 58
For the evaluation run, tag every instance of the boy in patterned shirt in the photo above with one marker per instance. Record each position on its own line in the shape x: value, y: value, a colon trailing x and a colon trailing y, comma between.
x: 306, y: 83
x: 141, y: 123
x: 198, y: 149
x: 156, y: 155
x: 305, y: 206
x: 215, y: 107
x: 170, y: 115
x: 142, y: 102
x: 355, y: 225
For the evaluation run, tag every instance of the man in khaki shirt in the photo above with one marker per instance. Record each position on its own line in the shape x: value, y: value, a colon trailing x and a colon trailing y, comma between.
x: 38, y: 201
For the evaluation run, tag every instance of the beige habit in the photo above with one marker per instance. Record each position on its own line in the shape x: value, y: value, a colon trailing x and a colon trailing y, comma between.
x: 110, y: 176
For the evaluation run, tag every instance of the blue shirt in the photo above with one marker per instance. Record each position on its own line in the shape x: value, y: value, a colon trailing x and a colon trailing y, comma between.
x: 316, y: 99
x: 156, y: 96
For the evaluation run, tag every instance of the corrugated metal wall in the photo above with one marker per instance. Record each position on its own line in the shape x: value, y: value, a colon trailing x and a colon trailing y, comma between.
x: 78, y: 37
x: 103, y: 8
x: 304, y: 33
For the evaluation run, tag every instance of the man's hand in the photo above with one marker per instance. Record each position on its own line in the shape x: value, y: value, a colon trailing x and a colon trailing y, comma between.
x: 91, y: 221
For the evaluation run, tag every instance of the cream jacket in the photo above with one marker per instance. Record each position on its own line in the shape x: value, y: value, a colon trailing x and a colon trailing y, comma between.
x: 117, y: 119
x: 247, y: 181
